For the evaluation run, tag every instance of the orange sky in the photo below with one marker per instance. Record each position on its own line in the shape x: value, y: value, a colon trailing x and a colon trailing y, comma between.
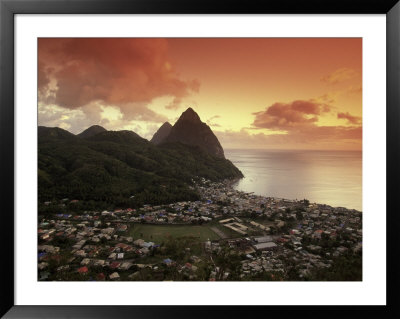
x: 254, y: 93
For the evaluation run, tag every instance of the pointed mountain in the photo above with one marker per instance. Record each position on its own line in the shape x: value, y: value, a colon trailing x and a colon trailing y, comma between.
x: 161, y: 133
x: 91, y: 131
x: 190, y: 130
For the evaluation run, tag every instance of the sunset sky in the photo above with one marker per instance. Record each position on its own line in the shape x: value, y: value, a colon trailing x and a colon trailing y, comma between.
x: 272, y: 93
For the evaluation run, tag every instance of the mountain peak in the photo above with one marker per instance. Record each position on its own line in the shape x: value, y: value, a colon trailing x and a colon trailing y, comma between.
x: 93, y: 130
x: 166, y: 124
x: 190, y: 115
x: 161, y: 133
x: 190, y: 130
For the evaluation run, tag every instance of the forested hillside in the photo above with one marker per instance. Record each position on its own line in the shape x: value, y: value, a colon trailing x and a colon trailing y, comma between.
x: 121, y: 168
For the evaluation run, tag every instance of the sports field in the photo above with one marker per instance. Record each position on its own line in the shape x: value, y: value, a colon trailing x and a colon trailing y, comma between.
x: 158, y: 233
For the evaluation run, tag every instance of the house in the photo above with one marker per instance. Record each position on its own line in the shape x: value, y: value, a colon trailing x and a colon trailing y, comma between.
x: 80, y: 253
x: 167, y: 261
x: 122, y: 228
x: 101, y: 276
x: 43, y: 265
x: 265, y: 246
x: 108, y: 231
x: 114, y: 276
x: 85, y: 261
x: 226, y: 220
x: 62, y: 268
x: 263, y: 239
x: 114, y: 265
x: 99, y: 262
x: 139, y: 242
x: 148, y: 244
x: 83, y: 270
x: 44, y: 275
x: 125, y: 266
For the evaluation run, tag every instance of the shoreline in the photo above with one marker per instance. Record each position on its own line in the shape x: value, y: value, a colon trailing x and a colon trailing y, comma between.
x: 231, y: 184
x: 329, y: 177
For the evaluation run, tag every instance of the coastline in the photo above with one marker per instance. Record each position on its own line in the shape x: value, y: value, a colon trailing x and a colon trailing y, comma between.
x: 330, y: 177
x: 232, y: 184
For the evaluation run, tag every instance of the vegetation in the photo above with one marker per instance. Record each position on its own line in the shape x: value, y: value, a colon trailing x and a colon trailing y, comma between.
x: 122, y: 169
x: 347, y: 267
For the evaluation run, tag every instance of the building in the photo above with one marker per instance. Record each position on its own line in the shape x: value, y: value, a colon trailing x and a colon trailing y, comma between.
x: 265, y: 246
x: 263, y: 239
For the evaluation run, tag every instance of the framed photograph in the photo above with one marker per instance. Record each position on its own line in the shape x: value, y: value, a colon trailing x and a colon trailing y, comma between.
x: 166, y: 158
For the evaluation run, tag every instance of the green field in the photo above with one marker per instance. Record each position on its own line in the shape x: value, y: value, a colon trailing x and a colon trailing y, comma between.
x: 158, y: 233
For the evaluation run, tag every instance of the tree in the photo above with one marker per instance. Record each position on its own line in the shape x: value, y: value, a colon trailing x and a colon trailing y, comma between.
x: 227, y: 260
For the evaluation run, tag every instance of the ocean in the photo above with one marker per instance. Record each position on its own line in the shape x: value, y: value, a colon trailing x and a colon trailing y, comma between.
x: 324, y: 177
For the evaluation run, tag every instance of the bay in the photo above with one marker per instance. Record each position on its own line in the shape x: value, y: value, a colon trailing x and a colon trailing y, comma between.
x: 325, y: 177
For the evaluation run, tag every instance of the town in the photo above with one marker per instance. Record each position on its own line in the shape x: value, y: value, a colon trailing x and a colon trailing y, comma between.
x: 227, y: 235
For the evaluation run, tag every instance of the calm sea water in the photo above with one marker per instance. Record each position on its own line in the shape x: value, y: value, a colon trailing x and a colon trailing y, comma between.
x: 325, y: 177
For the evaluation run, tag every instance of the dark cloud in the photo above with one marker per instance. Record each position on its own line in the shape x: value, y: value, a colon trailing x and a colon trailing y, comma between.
x: 286, y: 116
x: 295, y: 124
x: 43, y: 78
x: 127, y: 73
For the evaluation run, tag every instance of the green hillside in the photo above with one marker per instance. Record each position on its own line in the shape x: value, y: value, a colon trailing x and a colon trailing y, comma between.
x: 121, y: 168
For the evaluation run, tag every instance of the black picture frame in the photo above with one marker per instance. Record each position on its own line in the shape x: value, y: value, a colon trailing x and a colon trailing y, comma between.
x: 8, y: 10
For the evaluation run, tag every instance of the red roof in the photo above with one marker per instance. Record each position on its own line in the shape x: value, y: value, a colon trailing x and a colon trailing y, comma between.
x: 83, y: 270
x: 101, y: 276
x: 114, y: 264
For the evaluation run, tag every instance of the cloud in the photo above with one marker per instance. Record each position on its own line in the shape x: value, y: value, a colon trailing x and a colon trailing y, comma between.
x: 211, y: 123
x: 213, y: 118
x: 340, y: 75
x: 295, y: 125
x: 77, y: 120
x: 127, y: 73
x: 74, y: 121
x: 140, y: 111
x: 286, y: 116
x: 328, y: 98
x: 350, y: 118
x: 214, y: 124
x: 174, y: 104
x: 43, y: 78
